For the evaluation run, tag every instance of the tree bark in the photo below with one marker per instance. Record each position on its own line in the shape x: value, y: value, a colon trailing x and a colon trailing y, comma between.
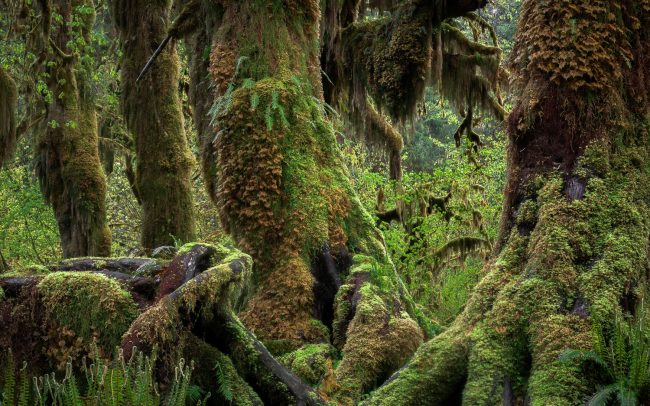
x: 153, y: 112
x: 67, y: 157
x: 8, y: 101
x: 575, y: 229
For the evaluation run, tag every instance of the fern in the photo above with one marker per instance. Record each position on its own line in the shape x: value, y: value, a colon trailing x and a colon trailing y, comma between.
x: 255, y: 100
x: 122, y: 383
x: 9, y: 394
x: 268, y: 118
x: 223, y: 383
x: 23, y: 394
x: 623, y: 356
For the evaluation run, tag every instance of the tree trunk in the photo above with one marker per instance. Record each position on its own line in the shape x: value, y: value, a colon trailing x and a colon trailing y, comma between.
x: 8, y: 100
x: 285, y: 195
x: 153, y: 112
x: 576, y: 225
x: 67, y: 161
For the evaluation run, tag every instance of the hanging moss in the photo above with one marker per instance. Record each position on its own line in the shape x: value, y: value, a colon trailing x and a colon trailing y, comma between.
x: 153, y: 113
x: 8, y: 100
x: 575, y: 239
x: 67, y: 156
x: 385, y: 63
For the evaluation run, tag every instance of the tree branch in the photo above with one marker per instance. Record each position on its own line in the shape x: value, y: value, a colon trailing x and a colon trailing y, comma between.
x: 458, y: 8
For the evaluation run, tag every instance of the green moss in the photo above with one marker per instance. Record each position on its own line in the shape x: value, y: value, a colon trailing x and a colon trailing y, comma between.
x: 309, y: 362
x: 165, y: 162
x: 67, y: 158
x: 92, y: 306
x: 8, y: 100
x: 437, y: 369
x: 379, y: 340
x: 215, y: 372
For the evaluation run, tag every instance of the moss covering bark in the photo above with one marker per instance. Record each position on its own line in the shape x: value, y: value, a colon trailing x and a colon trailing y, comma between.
x: 8, y: 100
x: 575, y: 232
x: 285, y: 194
x: 153, y: 112
x: 67, y: 157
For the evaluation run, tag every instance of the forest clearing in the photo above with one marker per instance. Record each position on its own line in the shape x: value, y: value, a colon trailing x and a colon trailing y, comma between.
x: 324, y: 202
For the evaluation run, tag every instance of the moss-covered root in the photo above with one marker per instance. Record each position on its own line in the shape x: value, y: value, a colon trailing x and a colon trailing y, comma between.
x: 217, y: 289
x: 215, y: 372
x: 275, y: 384
x: 553, y: 382
x: 205, y: 306
x: 379, y: 341
x: 8, y: 99
x: 434, y: 376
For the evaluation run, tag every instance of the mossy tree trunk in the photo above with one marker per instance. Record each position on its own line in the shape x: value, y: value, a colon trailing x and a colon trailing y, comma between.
x: 277, y: 176
x: 67, y: 157
x: 153, y: 112
x: 286, y: 197
x: 574, y: 243
x: 576, y: 225
x: 8, y: 100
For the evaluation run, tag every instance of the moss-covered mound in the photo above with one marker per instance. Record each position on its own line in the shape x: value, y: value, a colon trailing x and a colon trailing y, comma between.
x: 87, y: 308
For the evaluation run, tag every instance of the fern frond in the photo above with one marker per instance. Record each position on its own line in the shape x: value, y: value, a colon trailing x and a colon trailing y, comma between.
x: 584, y: 356
x: 223, y: 383
x: 603, y: 395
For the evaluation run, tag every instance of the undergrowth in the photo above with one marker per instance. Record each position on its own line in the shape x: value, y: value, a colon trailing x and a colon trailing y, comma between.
x: 621, y: 358
x: 117, y: 383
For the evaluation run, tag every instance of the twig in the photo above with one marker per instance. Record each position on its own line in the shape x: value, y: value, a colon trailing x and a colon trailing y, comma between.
x: 153, y: 57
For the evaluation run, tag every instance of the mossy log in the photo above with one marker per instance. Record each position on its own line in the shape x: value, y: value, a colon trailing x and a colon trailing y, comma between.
x: 194, y: 320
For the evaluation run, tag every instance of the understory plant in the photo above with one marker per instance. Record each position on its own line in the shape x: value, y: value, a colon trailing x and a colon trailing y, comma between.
x: 621, y: 356
x: 116, y: 383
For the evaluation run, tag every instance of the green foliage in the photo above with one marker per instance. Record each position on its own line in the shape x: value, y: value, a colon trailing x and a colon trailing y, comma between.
x: 117, y: 383
x: 223, y: 383
x: 439, y: 253
x: 28, y: 231
x: 621, y: 355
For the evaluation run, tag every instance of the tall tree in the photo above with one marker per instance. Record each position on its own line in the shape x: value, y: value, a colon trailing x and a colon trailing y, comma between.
x: 575, y: 232
x: 576, y: 224
x: 8, y: 100
x: 274, y: 169
x: 67, y: 157
x: 153, y: 112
